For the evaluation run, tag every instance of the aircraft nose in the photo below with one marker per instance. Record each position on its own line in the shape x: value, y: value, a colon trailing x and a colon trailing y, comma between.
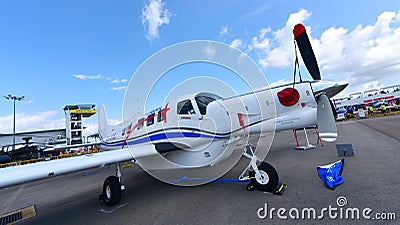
x: 217, y: 113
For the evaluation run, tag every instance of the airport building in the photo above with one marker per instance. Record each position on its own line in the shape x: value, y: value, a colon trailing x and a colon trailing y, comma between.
x: 71, y: 134
x: 74, y: 115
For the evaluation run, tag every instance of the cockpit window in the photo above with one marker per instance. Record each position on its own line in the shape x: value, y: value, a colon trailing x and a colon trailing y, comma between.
x: 202, y: 103
x: 185, y: 107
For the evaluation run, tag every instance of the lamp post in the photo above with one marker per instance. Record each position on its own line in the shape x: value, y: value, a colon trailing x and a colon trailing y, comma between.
x: 14, y: 98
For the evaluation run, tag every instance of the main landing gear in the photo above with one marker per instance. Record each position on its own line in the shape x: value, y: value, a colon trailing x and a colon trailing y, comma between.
x: 262, y: 177
x: 112, y: 189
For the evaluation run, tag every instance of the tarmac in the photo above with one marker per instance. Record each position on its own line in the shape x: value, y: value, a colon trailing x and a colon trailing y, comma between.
x: 371, y: 185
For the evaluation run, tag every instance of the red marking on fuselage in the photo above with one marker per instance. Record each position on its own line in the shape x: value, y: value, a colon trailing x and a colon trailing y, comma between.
x: 164, y: 111
x: 129, y: 131
x: 240, y: 117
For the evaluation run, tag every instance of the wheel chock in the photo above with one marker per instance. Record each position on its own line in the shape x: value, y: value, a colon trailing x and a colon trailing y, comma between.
x: 280, y: 189
x: 101, y: 198
x: 250, y: 187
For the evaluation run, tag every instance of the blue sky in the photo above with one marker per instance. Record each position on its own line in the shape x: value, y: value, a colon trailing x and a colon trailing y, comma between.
x: 66, y: 52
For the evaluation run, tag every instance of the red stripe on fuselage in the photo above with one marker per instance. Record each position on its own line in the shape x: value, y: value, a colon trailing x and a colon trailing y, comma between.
x: 163, y: 111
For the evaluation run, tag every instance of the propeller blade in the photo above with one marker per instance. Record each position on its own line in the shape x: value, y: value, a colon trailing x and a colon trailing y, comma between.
x: 325, y: 120
x: 306, y: 51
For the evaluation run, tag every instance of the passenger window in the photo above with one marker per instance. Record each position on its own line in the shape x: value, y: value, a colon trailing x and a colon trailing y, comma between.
x: 140, y: 123
x: 160, y: 116
x: 185, y: 107
x: 150, y: 120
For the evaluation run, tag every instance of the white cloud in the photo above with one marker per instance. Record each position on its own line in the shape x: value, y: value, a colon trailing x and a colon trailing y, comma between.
x: 210, y: 51
x: 90, y: 128
x: 154, y: 15
x: 260, y: 42
x: 113, y: 122
x: 365, y: 54
x: 30, y: 101
x: 88, y: 77
x: 43, y: 121
x: 99, y: 76
x: 276, y: 47
x: 280, y: 82
x: 120, y: 88
x: 237, y: 43
x: 224, y: 30
x: 372, y: 85
x: 117, y: 81
x: 257, y: 11
x: 29, y: 122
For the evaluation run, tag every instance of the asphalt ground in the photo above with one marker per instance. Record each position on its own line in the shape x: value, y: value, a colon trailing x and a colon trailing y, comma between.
x: 371, y: 181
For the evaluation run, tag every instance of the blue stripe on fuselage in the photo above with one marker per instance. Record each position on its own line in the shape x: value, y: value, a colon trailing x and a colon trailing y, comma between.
x: 161, y: 136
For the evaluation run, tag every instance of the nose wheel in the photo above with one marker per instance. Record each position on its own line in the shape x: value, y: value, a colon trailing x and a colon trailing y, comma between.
x: 262, y: 177
x: 267, y: 178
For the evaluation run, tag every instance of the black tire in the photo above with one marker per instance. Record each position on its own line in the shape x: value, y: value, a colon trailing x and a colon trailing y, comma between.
x: 111, y: 191
x: 272, y: 174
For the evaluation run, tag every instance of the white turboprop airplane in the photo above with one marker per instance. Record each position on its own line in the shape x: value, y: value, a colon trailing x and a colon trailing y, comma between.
x: 201, y: 130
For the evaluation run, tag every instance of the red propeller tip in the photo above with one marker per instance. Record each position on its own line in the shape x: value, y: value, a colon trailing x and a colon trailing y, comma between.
x: 298, y: 29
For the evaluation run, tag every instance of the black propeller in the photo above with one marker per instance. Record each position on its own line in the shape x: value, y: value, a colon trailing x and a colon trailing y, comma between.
x: 306, y: 51
x: 325, y: 111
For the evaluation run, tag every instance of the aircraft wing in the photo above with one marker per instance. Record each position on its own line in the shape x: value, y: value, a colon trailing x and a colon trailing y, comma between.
x: 64, y: 146
x: 29, y: 172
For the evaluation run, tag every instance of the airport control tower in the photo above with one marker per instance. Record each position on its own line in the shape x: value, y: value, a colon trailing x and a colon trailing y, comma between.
x: 73, y: 117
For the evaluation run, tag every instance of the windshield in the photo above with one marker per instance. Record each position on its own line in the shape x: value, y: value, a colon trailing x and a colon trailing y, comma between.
x: 203, y: 101
x: 185, y: 107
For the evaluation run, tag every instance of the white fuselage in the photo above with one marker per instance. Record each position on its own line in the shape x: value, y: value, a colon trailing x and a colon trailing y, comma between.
x: 194, y: 130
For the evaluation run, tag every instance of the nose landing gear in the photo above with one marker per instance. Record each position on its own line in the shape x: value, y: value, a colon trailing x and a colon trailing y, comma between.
x: 262, y: 177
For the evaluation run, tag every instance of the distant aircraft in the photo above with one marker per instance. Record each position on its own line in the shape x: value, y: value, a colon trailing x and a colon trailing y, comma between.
x: 340, y: 111
x: 35, y: 143
x: 28, y: 150
x: 4, y: 158
x: 377, y: 104
x: 183, y: 131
